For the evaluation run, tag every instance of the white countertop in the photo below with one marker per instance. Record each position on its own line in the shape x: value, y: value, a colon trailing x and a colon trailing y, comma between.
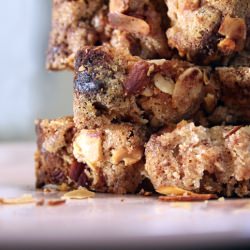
x: 111, y: 219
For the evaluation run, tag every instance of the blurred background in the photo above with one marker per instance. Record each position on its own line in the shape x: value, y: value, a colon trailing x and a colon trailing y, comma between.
x: 27, y: 90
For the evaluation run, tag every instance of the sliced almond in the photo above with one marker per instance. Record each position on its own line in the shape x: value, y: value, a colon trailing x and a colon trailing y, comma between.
x: 196, y: 197
x: 158, y: 62
x: 87, y: 147
x: 171, y: 190
x: 129, y: 23
x: 129, y: 158
x: 79, y: 194
x: 25, y: 199
x: 164, y: 84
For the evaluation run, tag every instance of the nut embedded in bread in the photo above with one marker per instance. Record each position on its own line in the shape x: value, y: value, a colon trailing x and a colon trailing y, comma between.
x: 112, y: 86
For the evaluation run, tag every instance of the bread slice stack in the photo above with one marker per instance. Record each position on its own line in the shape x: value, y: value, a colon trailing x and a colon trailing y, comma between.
x: 161, y: 92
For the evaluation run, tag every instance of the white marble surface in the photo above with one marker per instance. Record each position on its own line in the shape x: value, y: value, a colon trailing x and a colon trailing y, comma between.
x: 109, y: 218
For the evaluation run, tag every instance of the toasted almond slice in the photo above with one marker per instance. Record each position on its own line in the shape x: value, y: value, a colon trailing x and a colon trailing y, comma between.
x: 79, y: 194
x: 25, y: 199
x: 56, y: 202
x: 196, y: 197
x: 129, y: 23
x: 170, y: 190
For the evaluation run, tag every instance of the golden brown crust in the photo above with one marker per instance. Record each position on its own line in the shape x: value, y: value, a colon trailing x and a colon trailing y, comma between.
x: 202, y: 160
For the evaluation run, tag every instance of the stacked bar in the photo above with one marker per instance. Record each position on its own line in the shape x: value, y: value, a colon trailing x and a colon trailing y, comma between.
x: 161, y: 91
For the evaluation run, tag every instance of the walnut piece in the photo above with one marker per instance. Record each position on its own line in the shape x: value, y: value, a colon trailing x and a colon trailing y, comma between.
x: 164, y: 84
x: 87, y: 147
x: 123, y: 154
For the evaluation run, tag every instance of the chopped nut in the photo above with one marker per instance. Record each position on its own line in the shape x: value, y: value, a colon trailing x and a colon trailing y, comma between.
x: 137, y: 78
x: 158, y: 62
x: 151, y: 69
x: 123, y: 154
x: 164, y: 84
x: 128, y: 23
x: 235, y: 31
x: 81, y: 68
x: 56, y: 202
x: 188, y: 91
x: 87, y: 147
x: 25, y: 199
x: 210, y: 102
x: 234, y: 28
x: 147, y: 92
x: 79, y: 194
x: 118, y: 5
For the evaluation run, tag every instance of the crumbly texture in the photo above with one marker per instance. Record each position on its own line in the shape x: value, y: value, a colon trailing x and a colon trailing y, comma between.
x: 135, y: 26
x: 202, y: 160
x: 208, y: 31
x: 75, y: 24
x: 109, y: 160
x: 113, y: 86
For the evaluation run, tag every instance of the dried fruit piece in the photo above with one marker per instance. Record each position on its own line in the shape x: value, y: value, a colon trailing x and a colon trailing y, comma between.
x: 25, y: 199
x: 196, y: 197
x: 129, y: 23
x: 79, y: 194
